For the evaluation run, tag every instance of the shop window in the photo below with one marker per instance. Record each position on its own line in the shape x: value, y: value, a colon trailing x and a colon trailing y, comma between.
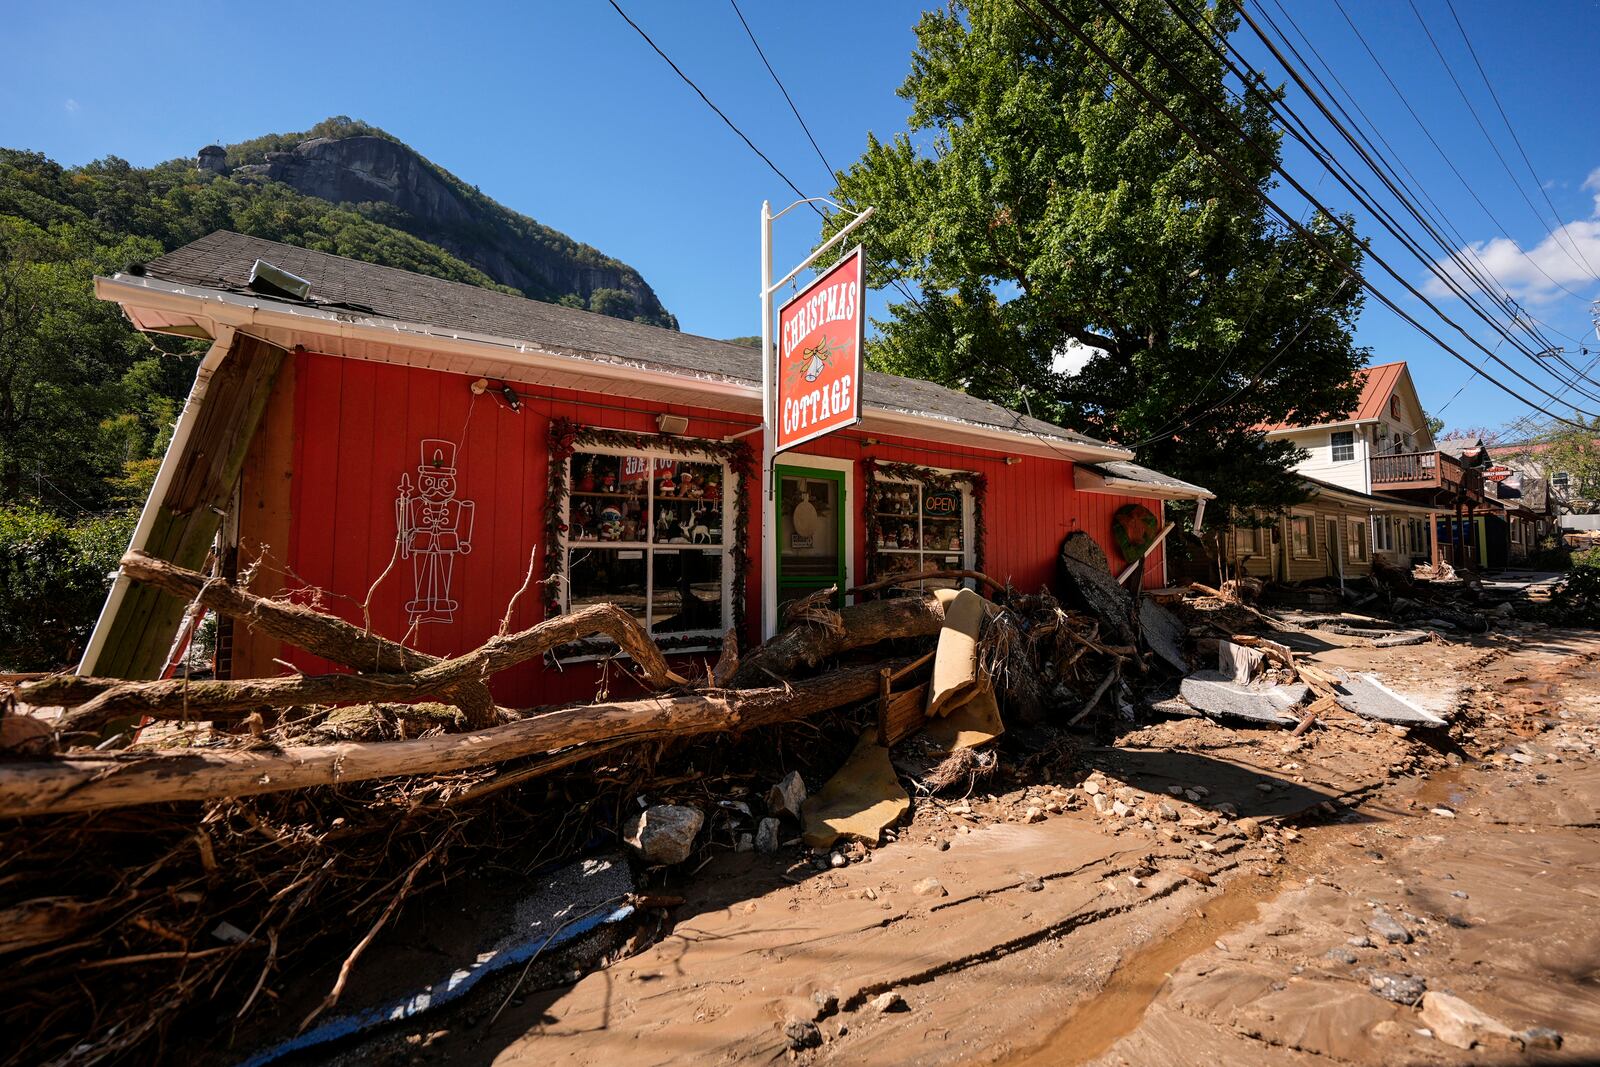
x: 1357, y: 542
x: 1344, y: 445
x: 920, y: 527
x: 1300, y: 536
x: 1383, y: 533
x: 646, y: 531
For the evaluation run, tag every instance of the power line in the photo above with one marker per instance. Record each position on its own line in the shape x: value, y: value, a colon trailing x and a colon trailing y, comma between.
x: 1301, y: 131
x: 1244, y: 185
x: 751, y: 34
x: 1405, y: 101
x: 707, y: 100
x: 1555, y: 217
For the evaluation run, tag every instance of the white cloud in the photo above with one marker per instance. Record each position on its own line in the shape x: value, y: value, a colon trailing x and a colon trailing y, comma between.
x: 1073, y: 357
x: 1568, y: 256
x: 72, y: 106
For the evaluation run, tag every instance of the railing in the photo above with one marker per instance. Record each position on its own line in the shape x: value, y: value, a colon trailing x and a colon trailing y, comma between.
x: 1406, y: 469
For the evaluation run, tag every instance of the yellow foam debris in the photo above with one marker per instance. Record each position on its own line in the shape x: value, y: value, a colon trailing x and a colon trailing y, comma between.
x: 955, y: 659
x: 970, y: 724
x: 860, y: 801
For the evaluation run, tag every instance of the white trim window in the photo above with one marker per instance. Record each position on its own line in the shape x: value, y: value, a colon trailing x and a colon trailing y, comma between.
x: 1342, y: 445
x: 1357, y: 546
x: 650, y: 532
x: 921, y: 528
x: 1383, y: 533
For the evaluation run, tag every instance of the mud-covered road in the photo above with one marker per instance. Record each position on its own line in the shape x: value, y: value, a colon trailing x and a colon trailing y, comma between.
x: 1193, y: 894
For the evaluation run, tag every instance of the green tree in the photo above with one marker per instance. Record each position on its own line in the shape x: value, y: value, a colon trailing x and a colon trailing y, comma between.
x: 1081, y: 258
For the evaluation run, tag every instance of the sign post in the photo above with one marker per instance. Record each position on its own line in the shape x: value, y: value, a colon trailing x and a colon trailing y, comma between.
x: 819, y: 349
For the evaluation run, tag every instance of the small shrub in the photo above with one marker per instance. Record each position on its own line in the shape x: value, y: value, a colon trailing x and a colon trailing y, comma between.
x: 53, y: 580
x: 1576, y: 601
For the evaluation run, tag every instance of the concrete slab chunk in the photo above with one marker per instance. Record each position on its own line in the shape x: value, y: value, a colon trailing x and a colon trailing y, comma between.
x: 1366, y: 696
x: 1214, y: 693
x: 1163, y: 632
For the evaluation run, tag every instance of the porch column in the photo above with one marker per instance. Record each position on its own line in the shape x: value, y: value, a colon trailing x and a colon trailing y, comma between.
x: 1433, y: 536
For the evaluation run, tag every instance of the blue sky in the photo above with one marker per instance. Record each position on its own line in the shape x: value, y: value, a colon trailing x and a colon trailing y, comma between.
x: 559, y: 110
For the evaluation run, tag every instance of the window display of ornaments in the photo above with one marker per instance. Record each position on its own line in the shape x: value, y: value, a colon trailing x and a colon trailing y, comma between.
x: 663, y: 524
x: 586, y: 475
x: 955, y: 542
x: 908, y: 536
x: 610, y: 524
x: 668, y: 487
x: 608, y: 483
x: 583, y: 522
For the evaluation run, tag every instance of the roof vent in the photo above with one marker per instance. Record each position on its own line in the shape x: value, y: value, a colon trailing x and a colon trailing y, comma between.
x: 275, y: 281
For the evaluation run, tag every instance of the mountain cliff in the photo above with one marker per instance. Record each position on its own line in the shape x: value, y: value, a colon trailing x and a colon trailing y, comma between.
x: 350, y: 163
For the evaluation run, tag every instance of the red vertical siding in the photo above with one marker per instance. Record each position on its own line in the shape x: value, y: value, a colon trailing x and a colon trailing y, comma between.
x: 359, y: 427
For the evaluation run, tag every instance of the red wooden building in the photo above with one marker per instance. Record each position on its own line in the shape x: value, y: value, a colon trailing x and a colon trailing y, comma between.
x: 407, y: 452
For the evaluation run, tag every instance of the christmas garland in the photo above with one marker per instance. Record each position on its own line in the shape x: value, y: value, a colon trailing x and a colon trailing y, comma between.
x: 566, y: 437
x: 878, y: 471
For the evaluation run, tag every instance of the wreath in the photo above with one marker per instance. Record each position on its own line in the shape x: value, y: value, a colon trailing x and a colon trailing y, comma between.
x: 879, y: 472
x: 566, y: 437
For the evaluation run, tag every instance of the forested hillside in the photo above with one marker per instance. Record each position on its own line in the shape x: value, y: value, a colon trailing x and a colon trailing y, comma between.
x: 87, y: 404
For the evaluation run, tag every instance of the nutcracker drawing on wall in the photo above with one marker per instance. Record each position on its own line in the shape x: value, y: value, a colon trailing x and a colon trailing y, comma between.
x: 434, y: 527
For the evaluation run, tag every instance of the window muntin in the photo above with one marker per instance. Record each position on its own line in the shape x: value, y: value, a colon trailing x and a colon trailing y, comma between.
x: 1343, y: 445
x: 646, y: 531
x: 1356, y: 543
x: 922, y: 528
x: 1300, y: 537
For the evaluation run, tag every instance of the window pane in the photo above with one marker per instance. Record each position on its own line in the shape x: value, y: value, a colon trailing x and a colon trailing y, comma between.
x: 607, y: 576
x: 942, y: 513
x: 688, y: 503
x: 809, y: 545
x: 688, y: 591
x: 608, y: 498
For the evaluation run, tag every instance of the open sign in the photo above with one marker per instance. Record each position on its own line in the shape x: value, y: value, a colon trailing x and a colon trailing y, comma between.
x: 943, y: 504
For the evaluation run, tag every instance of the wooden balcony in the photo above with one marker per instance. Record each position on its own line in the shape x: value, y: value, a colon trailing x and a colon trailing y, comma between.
x: 1401, y: 471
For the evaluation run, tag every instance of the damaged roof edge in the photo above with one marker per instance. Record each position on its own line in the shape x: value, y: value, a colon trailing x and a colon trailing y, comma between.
x: 239, y: 311
x: 1130, y: 479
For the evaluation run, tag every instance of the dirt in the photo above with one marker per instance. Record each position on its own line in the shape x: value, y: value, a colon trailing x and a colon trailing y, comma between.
x: 1189, y: 929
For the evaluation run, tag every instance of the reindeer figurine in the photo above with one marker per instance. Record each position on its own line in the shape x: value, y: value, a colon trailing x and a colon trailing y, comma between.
x: 695, y: 530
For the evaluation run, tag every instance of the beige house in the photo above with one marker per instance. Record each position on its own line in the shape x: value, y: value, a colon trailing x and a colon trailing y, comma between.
x: 1386, y: 429
x: 1329, y: 535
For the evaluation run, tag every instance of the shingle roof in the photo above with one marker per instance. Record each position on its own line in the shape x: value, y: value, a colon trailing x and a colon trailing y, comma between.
x: 222, y: 260
x: 1121, y: 469
x: 1376, y: 385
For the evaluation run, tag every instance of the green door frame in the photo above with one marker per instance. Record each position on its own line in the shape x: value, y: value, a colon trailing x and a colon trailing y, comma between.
x: 841, y: 511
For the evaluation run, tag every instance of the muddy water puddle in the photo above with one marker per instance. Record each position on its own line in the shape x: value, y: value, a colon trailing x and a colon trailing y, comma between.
x: 1096, y: 1024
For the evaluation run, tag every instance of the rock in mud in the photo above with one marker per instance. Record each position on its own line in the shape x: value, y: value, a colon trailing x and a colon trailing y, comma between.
x: 664, y: 834
x: 884, y: 1003
x: 930, y: 887
x: 802, y: 1035
x: 1460, y: 1025
x: 1540, y: 1037
x: 1400, y: 988
x: 787, y: 796
x: 1389, y: 928
x: 767, y: 836
x: 1340, y: 955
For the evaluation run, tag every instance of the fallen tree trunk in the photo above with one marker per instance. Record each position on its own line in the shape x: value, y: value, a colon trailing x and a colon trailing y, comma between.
x: 863, y: 624
x: 929, y: 575
x: 188, y: 699
x: 320, y: 634
x: 87, y: 783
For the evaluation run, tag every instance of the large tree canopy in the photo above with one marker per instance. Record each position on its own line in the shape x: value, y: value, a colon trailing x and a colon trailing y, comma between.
x: 1079, y: 256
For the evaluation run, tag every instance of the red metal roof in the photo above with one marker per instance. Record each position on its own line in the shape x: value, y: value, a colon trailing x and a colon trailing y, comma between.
x: 1376, y: 385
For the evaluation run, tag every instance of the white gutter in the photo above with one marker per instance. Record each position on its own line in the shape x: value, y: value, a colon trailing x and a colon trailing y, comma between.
x: 1352, y: 423
x: 242, y: 312
x: 158, y: 492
